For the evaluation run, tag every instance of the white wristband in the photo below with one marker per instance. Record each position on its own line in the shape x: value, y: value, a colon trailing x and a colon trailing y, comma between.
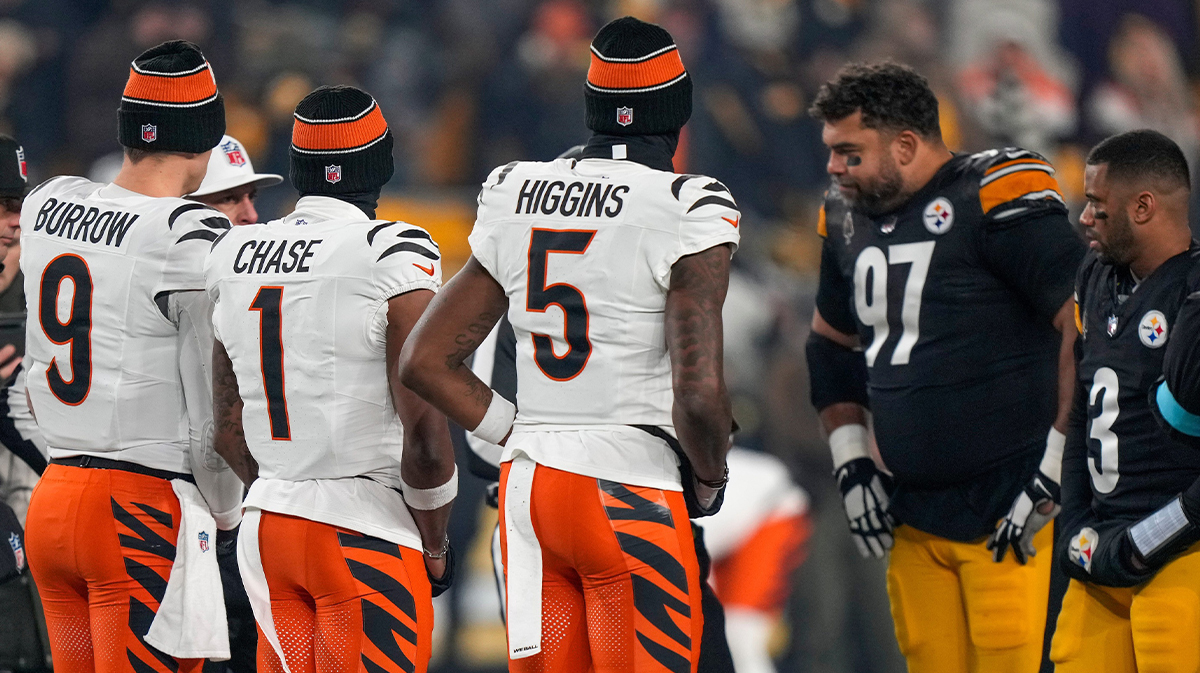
x: 430, y: 498
x: 1052, y: 460
x: 847, y: 443
x: 497, y: 421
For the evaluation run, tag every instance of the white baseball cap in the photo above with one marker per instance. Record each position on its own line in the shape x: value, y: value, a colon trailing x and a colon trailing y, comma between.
x: 229, y: 166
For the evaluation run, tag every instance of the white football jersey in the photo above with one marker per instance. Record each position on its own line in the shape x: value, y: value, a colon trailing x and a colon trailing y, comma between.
x: 584, y: 250
x: 301, y: 309
x: 102, y: 358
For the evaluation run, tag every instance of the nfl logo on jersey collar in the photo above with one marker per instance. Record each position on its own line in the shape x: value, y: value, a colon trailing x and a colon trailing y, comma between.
x: 1152, y: 330
x: 1112, y: 325
x: 939, y: 215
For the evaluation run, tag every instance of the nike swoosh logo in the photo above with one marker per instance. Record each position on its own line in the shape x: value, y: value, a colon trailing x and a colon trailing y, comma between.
x: 428, y: 271
x: 733, y: 222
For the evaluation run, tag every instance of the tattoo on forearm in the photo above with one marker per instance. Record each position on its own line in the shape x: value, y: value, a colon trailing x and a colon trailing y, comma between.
x: 229, y: 436
x: 696, y: 328
x: 466, y: 343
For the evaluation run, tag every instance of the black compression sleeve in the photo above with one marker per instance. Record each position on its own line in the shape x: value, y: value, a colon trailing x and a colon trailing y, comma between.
x: 835, y: 295
x: 836, y: 373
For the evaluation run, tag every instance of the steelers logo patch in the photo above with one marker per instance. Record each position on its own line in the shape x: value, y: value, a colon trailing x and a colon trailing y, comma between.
x: 1153, y: 329
x: 939, y: 215
x: 1083, y: 546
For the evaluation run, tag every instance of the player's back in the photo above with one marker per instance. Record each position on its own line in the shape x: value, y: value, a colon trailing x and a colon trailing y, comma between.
x: 584, y: 250
x: 301, y: 309
x: 101, y: 351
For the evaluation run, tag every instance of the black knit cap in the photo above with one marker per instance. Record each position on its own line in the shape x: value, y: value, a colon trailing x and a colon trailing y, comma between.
x: 171, y: 102
x: 341, y: 143
x: 14, y: 177
x: 637, y: 84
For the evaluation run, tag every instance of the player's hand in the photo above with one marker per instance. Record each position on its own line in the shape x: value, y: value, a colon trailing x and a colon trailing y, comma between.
x: 865, y: 497
x: 8, y: 361
x: 1035, y: 506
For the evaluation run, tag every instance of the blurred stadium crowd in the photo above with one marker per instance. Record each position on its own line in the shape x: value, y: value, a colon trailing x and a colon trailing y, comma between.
x: 467, y: 85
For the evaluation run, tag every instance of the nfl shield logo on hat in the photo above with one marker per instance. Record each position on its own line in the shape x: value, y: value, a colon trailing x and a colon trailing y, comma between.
x: 333, y: 174
x: 21, y: 164
x: 624, y: 116
x: 233, y: 154
x: 149, y: 133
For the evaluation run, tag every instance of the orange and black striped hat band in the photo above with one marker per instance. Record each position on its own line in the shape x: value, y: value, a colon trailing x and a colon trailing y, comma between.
x: 654, y: 71
x: 339, y: 136
x: 188, y: 89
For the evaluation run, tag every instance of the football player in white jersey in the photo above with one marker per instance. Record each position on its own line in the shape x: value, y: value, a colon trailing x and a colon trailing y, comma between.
x: 351, y: 475
x: 612, y: 270
x: 117, y: 350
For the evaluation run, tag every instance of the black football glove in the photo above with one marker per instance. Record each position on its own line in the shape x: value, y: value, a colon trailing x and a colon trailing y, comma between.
x: 442, y: 584
x: 1025, y: 519
x: 865, y: 496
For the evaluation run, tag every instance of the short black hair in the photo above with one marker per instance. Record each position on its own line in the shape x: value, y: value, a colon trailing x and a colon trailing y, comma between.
x: 891, y: 96
x: 1142, y: 154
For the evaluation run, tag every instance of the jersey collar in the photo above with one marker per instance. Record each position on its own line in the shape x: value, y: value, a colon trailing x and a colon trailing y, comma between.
x: 311, y: 209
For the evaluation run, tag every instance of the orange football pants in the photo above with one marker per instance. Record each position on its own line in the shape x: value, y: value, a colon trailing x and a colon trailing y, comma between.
x: 101, y: 544
x: 620, y: 578
x: 758, y: 576
x: 343, y: 602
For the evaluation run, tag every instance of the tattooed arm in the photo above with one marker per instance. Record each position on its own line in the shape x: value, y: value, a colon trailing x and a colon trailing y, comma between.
x: 456, y: 322
x: 428, y: 459
x: 702, y: 415
x: 229, y: 439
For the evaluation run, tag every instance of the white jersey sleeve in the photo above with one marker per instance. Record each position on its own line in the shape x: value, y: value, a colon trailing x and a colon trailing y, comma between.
x: 709, y: 217
x: 484, y: 246
x: 405, y: 259
x: 194, y: 227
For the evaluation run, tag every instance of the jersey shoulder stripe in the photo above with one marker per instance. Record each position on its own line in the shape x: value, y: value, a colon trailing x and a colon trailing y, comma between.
x: 1014, y: 182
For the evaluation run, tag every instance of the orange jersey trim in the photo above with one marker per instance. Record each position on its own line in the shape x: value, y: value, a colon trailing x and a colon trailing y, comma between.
x: 1014, y: 186
x: 345, y: 135
x: 1026, y: 160
x: 1078, y: 319
x: 649, y: 73
x: 822, y: 228
x: 194, y: 88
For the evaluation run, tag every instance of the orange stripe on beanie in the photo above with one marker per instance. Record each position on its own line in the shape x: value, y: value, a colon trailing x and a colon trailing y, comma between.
x: 649, y: 73
x: 340, y: 135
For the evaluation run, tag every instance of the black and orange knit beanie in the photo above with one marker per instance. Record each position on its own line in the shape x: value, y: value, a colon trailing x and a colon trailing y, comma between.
x: 637, y: 84
x: 171, y: 102
x: 340, y: 143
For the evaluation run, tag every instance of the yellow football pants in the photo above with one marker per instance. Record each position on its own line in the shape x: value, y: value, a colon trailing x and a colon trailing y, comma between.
x: 957, y: 611
x: 1150, y: 628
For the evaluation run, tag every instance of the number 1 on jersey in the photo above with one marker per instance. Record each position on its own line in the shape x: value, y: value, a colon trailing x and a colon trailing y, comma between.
x: 269, y: 304
x: 539, y: 297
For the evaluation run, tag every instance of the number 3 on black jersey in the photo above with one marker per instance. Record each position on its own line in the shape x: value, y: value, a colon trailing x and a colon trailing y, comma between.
x: 269, y: 304
x: 539, y: 297
x: 76, y: 331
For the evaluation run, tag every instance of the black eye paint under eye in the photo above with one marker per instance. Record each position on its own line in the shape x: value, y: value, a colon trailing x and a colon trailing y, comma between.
x: 853, y: 160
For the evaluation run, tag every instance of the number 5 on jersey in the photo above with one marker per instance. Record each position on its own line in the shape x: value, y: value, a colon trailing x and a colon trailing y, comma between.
x: 539, y: 297
x: 269, y: 304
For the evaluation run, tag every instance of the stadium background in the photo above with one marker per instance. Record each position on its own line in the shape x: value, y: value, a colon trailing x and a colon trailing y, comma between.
x: 470, y: 84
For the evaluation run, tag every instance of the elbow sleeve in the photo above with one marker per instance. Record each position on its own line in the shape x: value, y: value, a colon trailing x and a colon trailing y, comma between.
x: 835, y: 373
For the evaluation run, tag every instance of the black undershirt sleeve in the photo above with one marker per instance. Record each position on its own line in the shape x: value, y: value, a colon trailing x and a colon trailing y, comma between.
x: 835, y: 295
